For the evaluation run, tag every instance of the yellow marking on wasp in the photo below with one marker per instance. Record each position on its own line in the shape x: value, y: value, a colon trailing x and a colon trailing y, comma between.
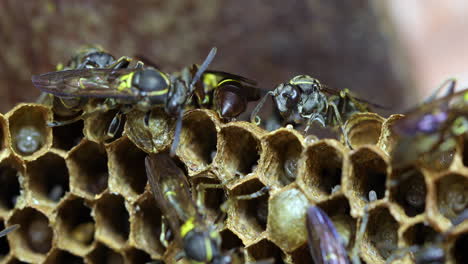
x: 161, y: 92
x: 459, y: 126
x: 209, y: 251
x: 59, y: 67
x: 301, y: 82
x: 188, y: 226
x: 210, y: 80
x: 227, y: 80
x: 81, y: 83
x: 465, y: 96
x: 125, y: 81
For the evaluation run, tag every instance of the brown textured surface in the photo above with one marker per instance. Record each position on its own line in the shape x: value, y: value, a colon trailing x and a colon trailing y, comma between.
x: 92, y: 203
x: 345, y: 45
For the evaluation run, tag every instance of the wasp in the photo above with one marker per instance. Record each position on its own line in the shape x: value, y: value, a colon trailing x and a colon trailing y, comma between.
x: 325, y: 243
x: 304, y: 100
x: 430, y: 252
x: 139, y: 88
x: 7, y: 230
x: 226, y: 93
x: 431, y: 128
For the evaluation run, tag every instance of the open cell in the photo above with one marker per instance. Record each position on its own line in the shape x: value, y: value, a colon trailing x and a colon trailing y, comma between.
x: 211, y: 198
x: 409, y: 191
x: 104, y: 127
x: 230, y: 240
x: 419, y: 234
x: 137, y: 256
x: 460, y: 249
x: 4, y: 245
x: 302, y: 255
x: 112, y: 219
x: 381, y: 232
x: 48, y: 178
x: 285, y: 149
x: 452, y: 195
x: 323, y: 170
x: 76, y: 224
x: 89, y: 173
x: 61, y: 256
x: 104, y: 255
x: 10, y: 172
x: 240, y: 151
x: 265, y: 249
x: 68, y: 136
x: 199, y: 138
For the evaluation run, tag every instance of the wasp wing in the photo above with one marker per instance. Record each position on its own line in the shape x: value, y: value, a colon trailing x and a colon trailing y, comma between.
x: 325, y: 243
x: 97, y: 83
x: 331, y: 91
x: 224, y: 75
x: 7, y: 230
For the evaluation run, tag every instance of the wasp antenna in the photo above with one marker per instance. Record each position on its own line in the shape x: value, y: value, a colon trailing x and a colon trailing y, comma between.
x: 253, y: 115
x: 203, y: 67
x: 8, y: 230
x: 178, y: 128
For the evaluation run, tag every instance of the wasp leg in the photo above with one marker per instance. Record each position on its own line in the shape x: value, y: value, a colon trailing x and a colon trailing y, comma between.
x: 253, y: 115
x: 121, y: 63
x: 451, y: 82
x: 253, y: 195
x: 362, y: 228
x: 314, y: 117
x: 201, y: 189
x: 114, y: 125
x: 162, y: 236
x: 340, y: 123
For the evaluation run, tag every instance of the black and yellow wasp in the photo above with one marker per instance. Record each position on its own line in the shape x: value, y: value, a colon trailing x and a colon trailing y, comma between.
x: 139, y: 88
x: 226, y: 93
x: 304, y: 100
x: 7, y: 230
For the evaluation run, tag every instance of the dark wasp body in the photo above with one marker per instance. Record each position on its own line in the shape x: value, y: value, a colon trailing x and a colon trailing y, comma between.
x: 304, y: 100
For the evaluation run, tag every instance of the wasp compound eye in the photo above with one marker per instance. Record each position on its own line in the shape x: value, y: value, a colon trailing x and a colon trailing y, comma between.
x: 149, y: 80
x: 195, y: 246
x: 291, y: 96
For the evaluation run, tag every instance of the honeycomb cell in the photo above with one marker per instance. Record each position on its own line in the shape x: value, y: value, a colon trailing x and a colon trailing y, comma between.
x: 76, y: 225
x: 368, y: 173
x: 48, y: 178
x: 363, y: 128
x: 322, y: 169
x: 98, y: 128
x: 282, y: 161
x: 409, y: 191
x: 381, y: 236
x: 239, y: 152
x: 452, y: 194
x: 112, y: 220
x: 286, y: 214
x: 151, y: 133
x: 3, y: 133
x: 230, y: 240
x: 302, y: 255
x: 104, y: 255
x: 127, y: 168
x: 146, y: 226
x: 68, y: 136
x: 4, y: 245
x: 388, y: 138
x: 136, y: 256
x: 419, y: 234
x: 199, y: 139
x: 11, y: 171
x: 28, y: 129
x: 33, y: 240
x: 249, y: 217
x: 59, y: 256
x: 460, y: 249
x: 87, y: 165
x: 338, y: 210
x: 211, y: 198
x: 265, y: 249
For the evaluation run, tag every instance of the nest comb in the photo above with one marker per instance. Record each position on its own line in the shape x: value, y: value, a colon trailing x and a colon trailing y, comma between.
x: 82, y: 199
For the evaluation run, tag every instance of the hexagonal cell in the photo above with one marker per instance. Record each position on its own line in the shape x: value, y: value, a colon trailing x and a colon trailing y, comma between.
x: 249, y: 217
x: 369, y: 173
x: 3, y: 133
x: 460, y: 249
x: 96, y: 126
x: 127, y: 168
x: 104, y: 255
x: 388, y: 138
x: 212, y: 198
x: 419, y: 234
x: 452, y: 195
x: 112, y: 220
x: 76, y: 225
x: 363, y: 128
x: 284, y: 150
x: 302, y: 255
x: 199, y: 138
x: 239, y: 152
x: 338, y: 210
x: 68, y: 136
x: 322, y: 169
x: 286, y: 219
x: 146, y: 227
x: 28, y: 129
x: 409, y: 191
x: 265, y: 249
x: 136, y: 256
x: 48, y: 178
x: 11, y: 170
x: 230, y: 240
x: 59, y: 256
x: 381, y: 235
x: 4, y: 245
x: 87, y: 165
x: 33, y: 240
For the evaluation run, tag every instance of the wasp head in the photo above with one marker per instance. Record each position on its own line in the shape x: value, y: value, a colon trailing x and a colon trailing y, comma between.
x: 287, y: 98
x: 177, y: 97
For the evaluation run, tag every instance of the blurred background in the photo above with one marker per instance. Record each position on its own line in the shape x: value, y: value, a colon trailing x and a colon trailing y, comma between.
x: 392, y: 53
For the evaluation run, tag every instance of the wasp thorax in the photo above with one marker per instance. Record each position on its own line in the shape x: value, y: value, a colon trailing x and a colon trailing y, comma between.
x: 98, y: 59
x: 149, y: 80
x: 288, y: 98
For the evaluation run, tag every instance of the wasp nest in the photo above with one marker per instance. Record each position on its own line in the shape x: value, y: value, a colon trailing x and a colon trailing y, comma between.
x: 82, y: 198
